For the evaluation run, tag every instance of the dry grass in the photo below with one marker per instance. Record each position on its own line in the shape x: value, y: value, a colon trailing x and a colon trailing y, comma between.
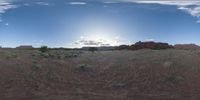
x: 106, y: 75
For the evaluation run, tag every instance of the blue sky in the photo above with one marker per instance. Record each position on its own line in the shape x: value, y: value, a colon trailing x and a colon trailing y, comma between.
x: 77, y: 23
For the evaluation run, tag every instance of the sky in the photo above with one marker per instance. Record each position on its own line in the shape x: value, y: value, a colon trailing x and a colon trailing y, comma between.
x: 79, y: 23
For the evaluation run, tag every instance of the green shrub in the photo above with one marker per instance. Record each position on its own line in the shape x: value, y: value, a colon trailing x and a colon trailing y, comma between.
x: 43, y: 49
x: 71, y: 54
x: 45, y: 55
x: 14, y: 55
x: 92, y: 49
x: 198, y: 53
x: 83, y: 67
x: 11, y: 55
x: 173, y: 79
x: 37, y: 66
x: 52, y: 55
x: 59, y: 56
x: 34, y: 62
x: 75, y: 55
x: 33, y: 55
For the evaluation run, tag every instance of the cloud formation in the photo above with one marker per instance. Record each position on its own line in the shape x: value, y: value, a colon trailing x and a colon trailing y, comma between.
x: 86, y: 41
x: 77, y: 3
x: 91, y: 43
x: 150, y: 39
x: 191, y: 7
x: 4, y: 6
x: 42, y: 3
x: 38, y: 43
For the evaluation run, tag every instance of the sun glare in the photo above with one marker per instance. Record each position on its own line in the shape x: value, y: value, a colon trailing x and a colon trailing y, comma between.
x: 100, y: 31
x: 105, y: 37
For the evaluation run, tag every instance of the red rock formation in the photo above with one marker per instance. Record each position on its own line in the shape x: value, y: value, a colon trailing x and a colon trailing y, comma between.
x: 150, y: 45
x: 187, y: 46
x: 146, y: 45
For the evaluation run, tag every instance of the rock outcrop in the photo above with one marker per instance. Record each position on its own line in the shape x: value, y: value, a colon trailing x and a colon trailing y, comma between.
x: 187, y: 46
x: 146, y: 45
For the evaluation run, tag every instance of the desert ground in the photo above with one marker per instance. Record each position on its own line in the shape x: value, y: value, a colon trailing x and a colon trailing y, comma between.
x: 103, y: 75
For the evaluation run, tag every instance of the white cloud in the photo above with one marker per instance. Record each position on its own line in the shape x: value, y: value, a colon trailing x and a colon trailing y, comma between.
x: 87, y: 41
x: 90, y: 43
x: 4, y: 6
x: 37, y: 3
x: 42, y: 3
x: 191, y: 7
x: 77, y: 3
x: 169, y: 2
x: 149, y: 39
x: 38, y: 43
x: 111, y: 2
x: 195, y: 11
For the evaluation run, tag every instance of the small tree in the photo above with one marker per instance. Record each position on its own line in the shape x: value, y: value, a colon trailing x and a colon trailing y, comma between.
x: 43, y: 49
x: 92, y: 49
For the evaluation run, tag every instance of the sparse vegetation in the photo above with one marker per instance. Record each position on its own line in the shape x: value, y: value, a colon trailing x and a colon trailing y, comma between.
x: 173, y: 79
x: 148, y: 73
x: 44, y: 55
x: 37, y: 66
x: 43, y: 49
x: 92, y: 49
x: 57, y: 54
x: 83, y: 67
x: 11, y: 55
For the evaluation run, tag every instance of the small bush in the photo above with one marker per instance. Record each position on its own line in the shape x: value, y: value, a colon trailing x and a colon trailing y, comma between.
x: 51, y: 55
x: 198, y: 53
x: 14, y: 55
x: 83, y: 67
x: 45, y: 55
x: 33, y: 55
x: 59, y: 56
x: 43, y: 49
x: 173, y: 79
x: 75, y: 55
x: 37, y: 66
x: 92, y: 49
x: 11, y: 55
x: 34, y: 61
x: 72, y: 54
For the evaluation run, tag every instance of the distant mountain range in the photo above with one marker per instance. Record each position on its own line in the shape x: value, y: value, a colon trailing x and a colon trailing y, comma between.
x: 138, y: 45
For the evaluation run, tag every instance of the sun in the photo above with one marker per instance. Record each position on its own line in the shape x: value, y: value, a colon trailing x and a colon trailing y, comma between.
x: 99, y: 31
x: 99, y: 37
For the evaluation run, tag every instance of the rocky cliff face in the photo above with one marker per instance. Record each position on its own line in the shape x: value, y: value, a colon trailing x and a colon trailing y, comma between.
x: 146, y: 45
x: 187, y: 46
